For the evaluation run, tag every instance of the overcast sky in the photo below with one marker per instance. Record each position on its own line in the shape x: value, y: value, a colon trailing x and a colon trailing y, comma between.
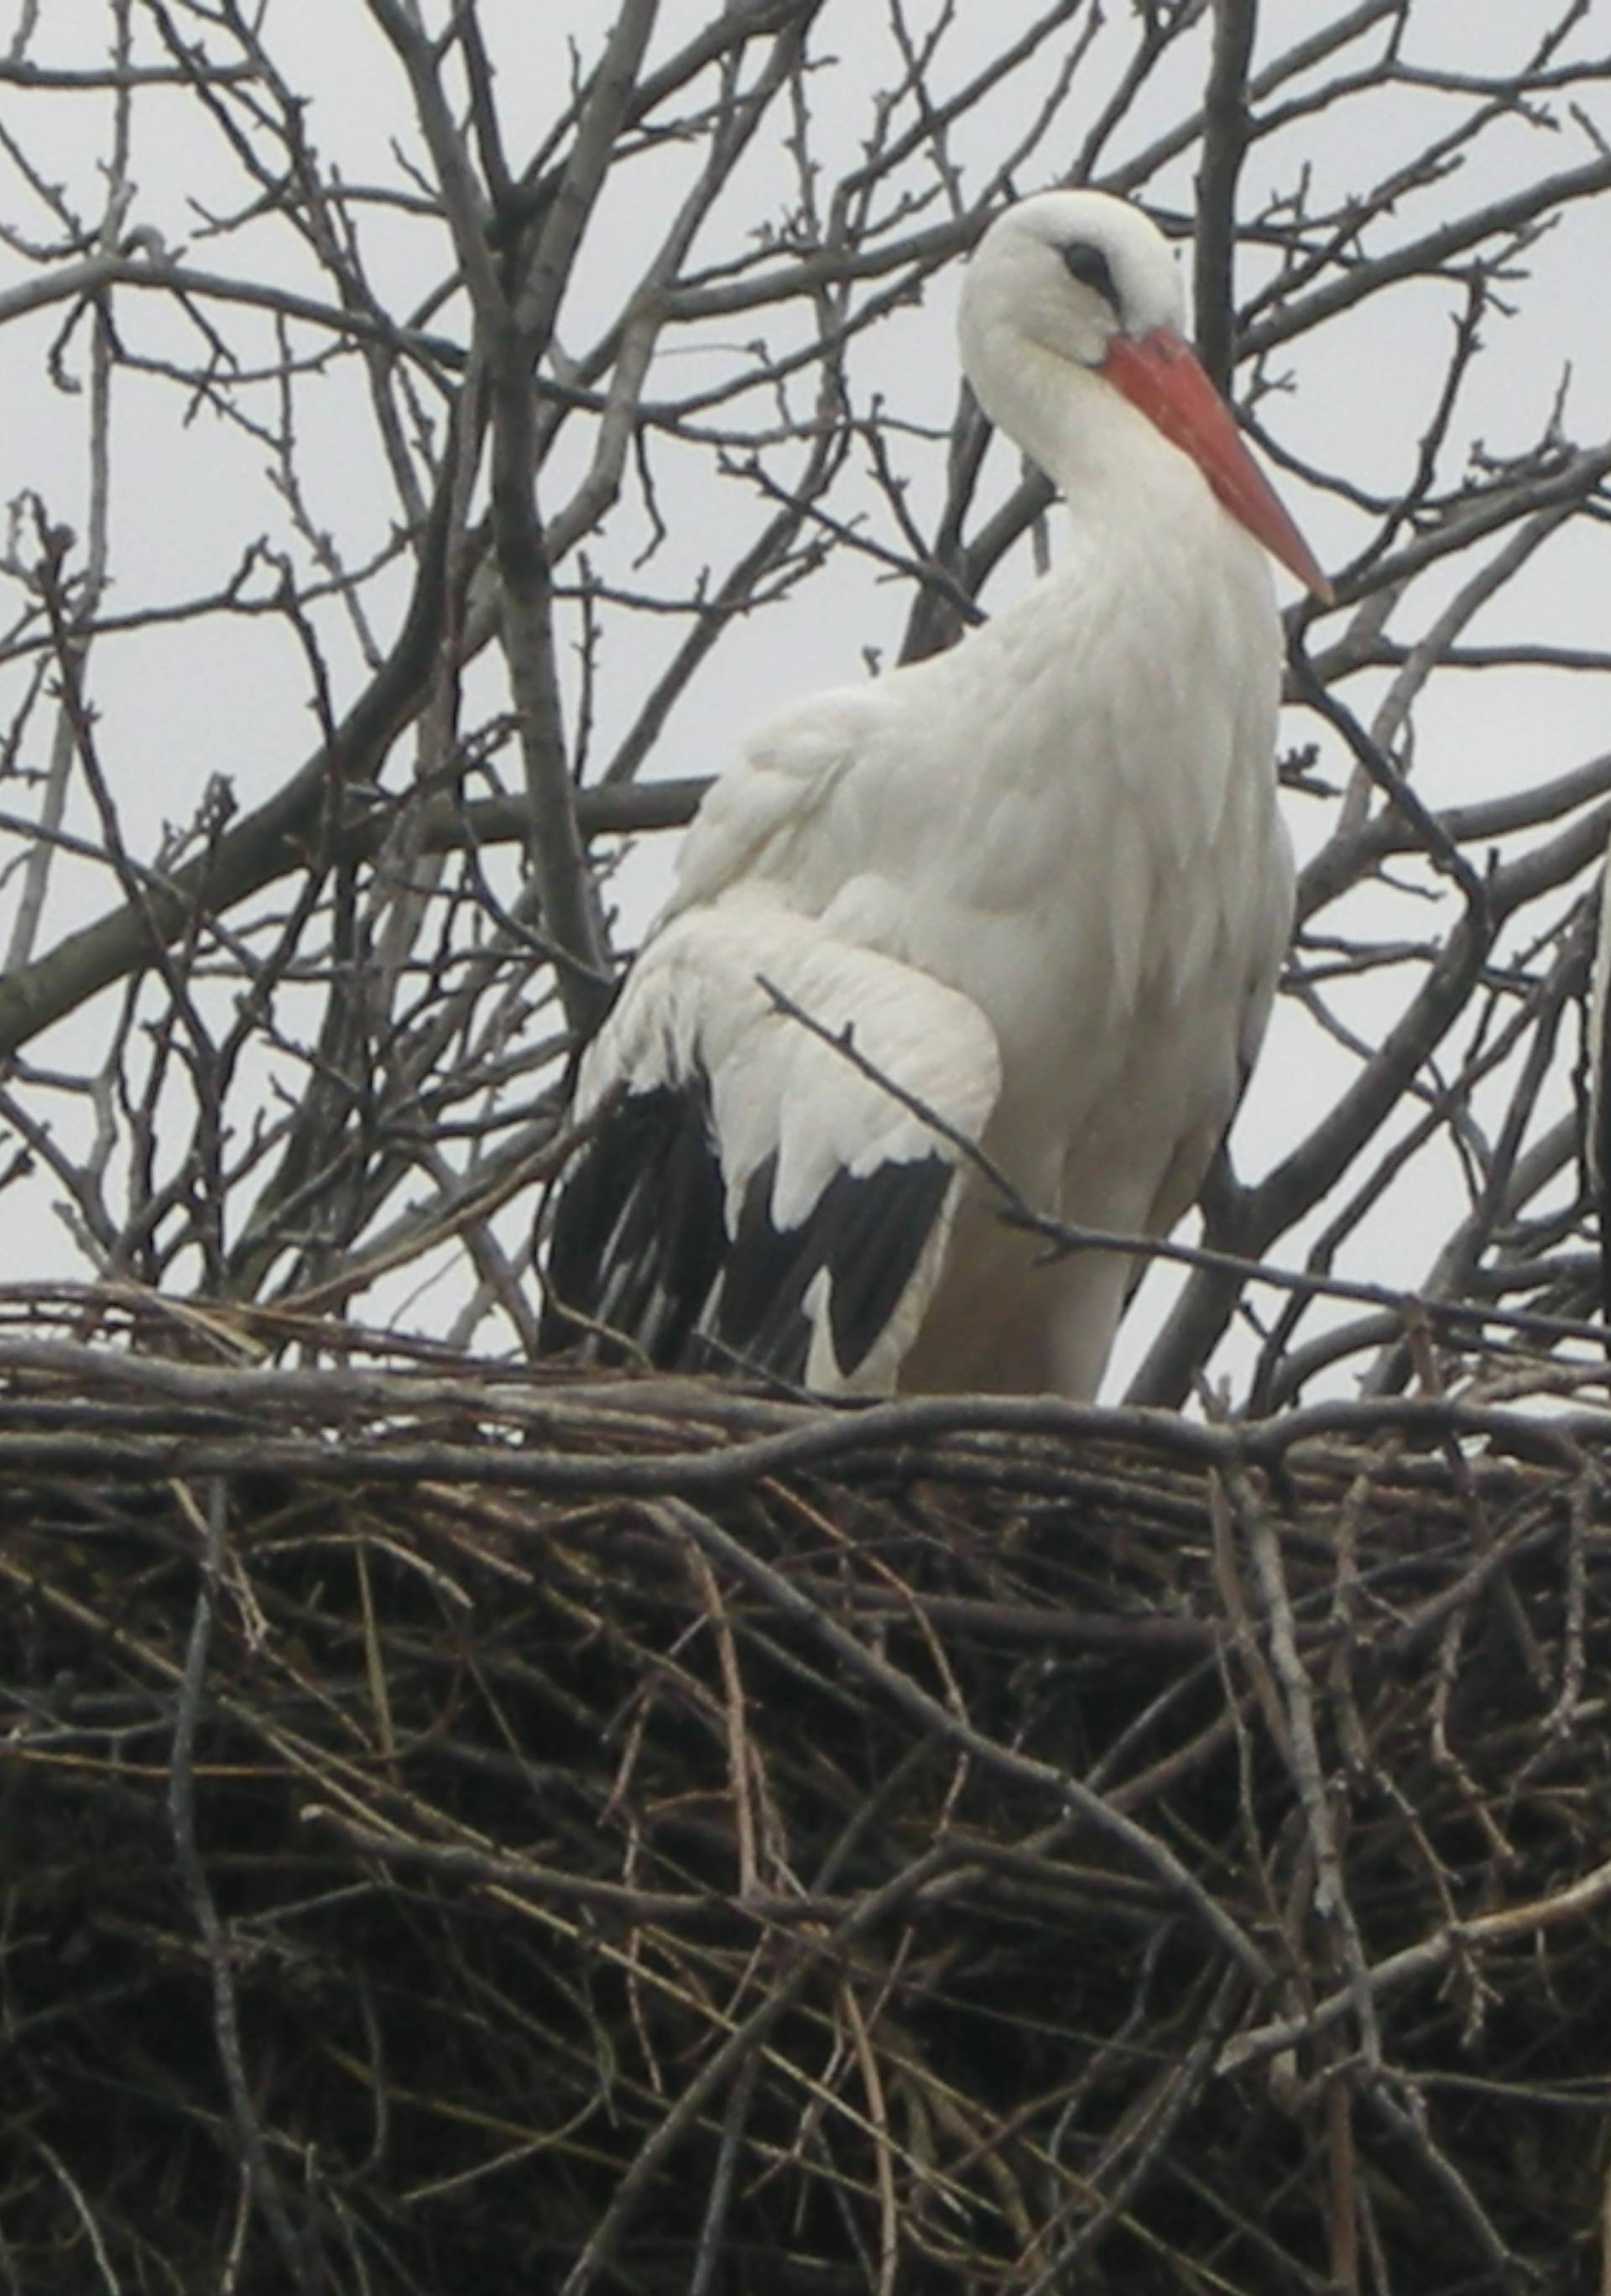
x: 192, y: 491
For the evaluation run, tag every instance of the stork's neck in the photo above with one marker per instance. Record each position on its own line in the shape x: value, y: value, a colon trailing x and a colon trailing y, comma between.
x: 1104, y: 455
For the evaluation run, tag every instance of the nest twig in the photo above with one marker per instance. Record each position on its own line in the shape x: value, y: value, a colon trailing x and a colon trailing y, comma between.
x: 476, y: 1827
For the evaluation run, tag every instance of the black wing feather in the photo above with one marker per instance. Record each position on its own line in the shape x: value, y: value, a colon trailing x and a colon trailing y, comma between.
x: 639, y: 1244
x: 867, y: 1231
x: 638, y: 1241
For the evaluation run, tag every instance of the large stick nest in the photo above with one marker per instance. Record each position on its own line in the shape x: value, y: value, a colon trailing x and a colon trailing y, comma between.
x: 474, y: 1829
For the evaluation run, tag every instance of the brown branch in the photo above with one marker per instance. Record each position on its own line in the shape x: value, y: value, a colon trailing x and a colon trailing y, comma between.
x: 1224, y: 145
x: 252, y: 852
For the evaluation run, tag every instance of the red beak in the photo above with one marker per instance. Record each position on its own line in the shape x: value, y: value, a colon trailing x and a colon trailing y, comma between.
x: 1160, y: 375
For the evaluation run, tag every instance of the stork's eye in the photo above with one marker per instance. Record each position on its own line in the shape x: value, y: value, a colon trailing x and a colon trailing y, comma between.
x: 1090, y: 267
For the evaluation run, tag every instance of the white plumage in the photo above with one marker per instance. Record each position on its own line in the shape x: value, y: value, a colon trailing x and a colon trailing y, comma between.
x: 1039, y: 880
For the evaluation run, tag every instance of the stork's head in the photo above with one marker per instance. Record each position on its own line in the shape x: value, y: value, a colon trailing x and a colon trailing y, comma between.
x: 1069, y: 271
x: 1089, y: 282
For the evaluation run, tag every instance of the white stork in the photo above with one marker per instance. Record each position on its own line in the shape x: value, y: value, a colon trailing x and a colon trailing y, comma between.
x: 1039, y: 883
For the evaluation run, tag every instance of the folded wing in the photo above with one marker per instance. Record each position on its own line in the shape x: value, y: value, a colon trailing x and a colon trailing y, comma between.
x: 783, y: 1121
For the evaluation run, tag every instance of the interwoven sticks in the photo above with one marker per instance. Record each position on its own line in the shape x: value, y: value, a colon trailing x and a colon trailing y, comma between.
x: 474, y: 1829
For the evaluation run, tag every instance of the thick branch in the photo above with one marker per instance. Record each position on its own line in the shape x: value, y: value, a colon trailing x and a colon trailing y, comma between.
x: 1225, y: 143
